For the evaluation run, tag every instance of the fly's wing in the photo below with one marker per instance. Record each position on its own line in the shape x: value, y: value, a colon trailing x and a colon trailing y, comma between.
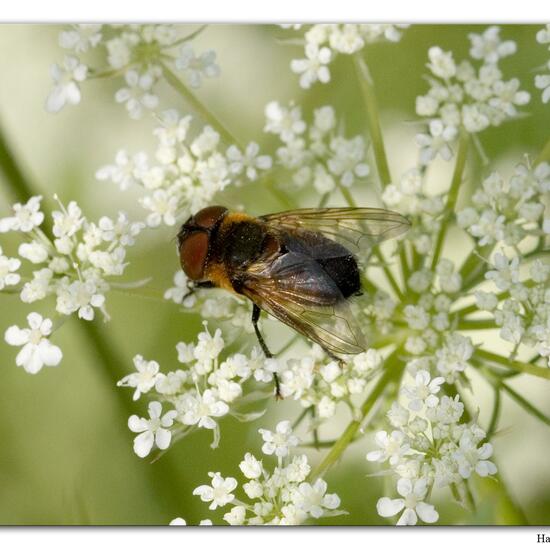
x: 355, y: 228
x: 297, y: 291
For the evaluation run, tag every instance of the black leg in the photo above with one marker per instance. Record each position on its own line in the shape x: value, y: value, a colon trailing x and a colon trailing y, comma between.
x: 193, y: 286
x: 255, y: 317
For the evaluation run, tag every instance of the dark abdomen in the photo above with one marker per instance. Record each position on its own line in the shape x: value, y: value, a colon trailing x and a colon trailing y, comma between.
x: 344, y: 272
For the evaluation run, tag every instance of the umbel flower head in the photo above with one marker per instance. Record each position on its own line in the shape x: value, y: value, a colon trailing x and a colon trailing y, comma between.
x: 278, y: 497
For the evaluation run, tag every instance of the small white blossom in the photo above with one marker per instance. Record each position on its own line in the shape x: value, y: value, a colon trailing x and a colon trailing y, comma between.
x: 412, y: 503
x: 279, y: 442
x: 66, y: 78
x: 137, y: 94
x: 424, y: 390
x: 8, y: 268
x: 219, y: 493
x: 489, y: 47
x: 197, y: 67
x: 202, y: 410
x: 313, y: 500
x: 314, y: 67
x: 249, y: 162
x: 37, y: 350
x: 25, y: 217
x: 153, y: 430
x: 144, y: 379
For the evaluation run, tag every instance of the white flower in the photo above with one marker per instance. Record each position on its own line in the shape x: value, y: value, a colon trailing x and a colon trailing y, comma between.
x: 179, y: 290
x: 144, y: 379
x: 506, y: 272
x: 34, y: 251
x: 280, y: 441
x: 80, y: 296
x: 8, y: 267
x: 393, y: 447
x: 219, y: 493
x: 286, y: 122
x: 202, y: 410
x: 197, y: 67
x: 412, y: 503
x: 489, y: 47
x: 453, y: 357
x: 297, y: 377
x: 68, y: 222
x: 236, y: 516
x: 208, y: 347
x: 138, y: 93
x: 66, y: 80
x: 314, y: 67
x: 422, y: 393
x: 436, y: 142
x: 153, y: 430
x: 178, y: 521
x: 163, y: 206
x: 25, y: 217
x: 249, y: 162
x: 251, y: 467
x: 39, y: 287
x: 127, y: 170
x: 348, y: 159
x: 37, y: 350
x: 81, y: 37
x: 469, y: 457
x: 542, y: 82
x: 441, y: 63
x: 313, y: 500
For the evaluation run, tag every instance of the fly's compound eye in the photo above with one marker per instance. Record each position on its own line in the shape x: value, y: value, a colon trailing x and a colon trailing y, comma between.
x: 193, y: 254
x: 209, y: 217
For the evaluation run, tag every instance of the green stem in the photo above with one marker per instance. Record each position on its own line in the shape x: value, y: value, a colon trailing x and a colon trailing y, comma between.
x: 544, y: 155
x: 493, y: 423
x: 458, y: 173
x: 393, y: 371
x: 197, y: 106
x: 515, y: 365
x: 519, y: 399
x: 477, y: 324
x: 373, y: 120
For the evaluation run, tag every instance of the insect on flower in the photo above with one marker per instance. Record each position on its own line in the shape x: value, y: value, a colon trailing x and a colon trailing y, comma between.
x: 299, y: 266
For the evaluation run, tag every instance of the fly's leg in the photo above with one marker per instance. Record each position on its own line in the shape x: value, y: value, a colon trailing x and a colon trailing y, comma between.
x: 255, y: 318
x: 339, y: 360
x: 192, y: 287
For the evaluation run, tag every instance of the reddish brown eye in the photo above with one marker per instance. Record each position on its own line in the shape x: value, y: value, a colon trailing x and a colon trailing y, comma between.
x: 208, y: 217
x: 193, y: 251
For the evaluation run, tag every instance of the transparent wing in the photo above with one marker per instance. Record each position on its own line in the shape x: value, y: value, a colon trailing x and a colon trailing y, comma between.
x: 355, y: 228
x: 298, y: 292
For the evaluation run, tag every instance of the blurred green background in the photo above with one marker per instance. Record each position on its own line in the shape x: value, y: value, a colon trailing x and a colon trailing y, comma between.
x: 65, y: 453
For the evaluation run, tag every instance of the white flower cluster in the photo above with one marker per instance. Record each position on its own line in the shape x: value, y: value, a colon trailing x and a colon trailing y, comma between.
x: 508, y: 211
x: 205, y: 389
x: 524, y: 316
x: 186, y: 172
x: 464, y: 96
x: 428, y: 447
x: 323, y: 42
x: 542, y: 81
x: 410, y: 196
x: 75, y: 267
x: 318, y: 382
x: 318, y: 155
x: 138, y: 52
x: 278, y: 497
